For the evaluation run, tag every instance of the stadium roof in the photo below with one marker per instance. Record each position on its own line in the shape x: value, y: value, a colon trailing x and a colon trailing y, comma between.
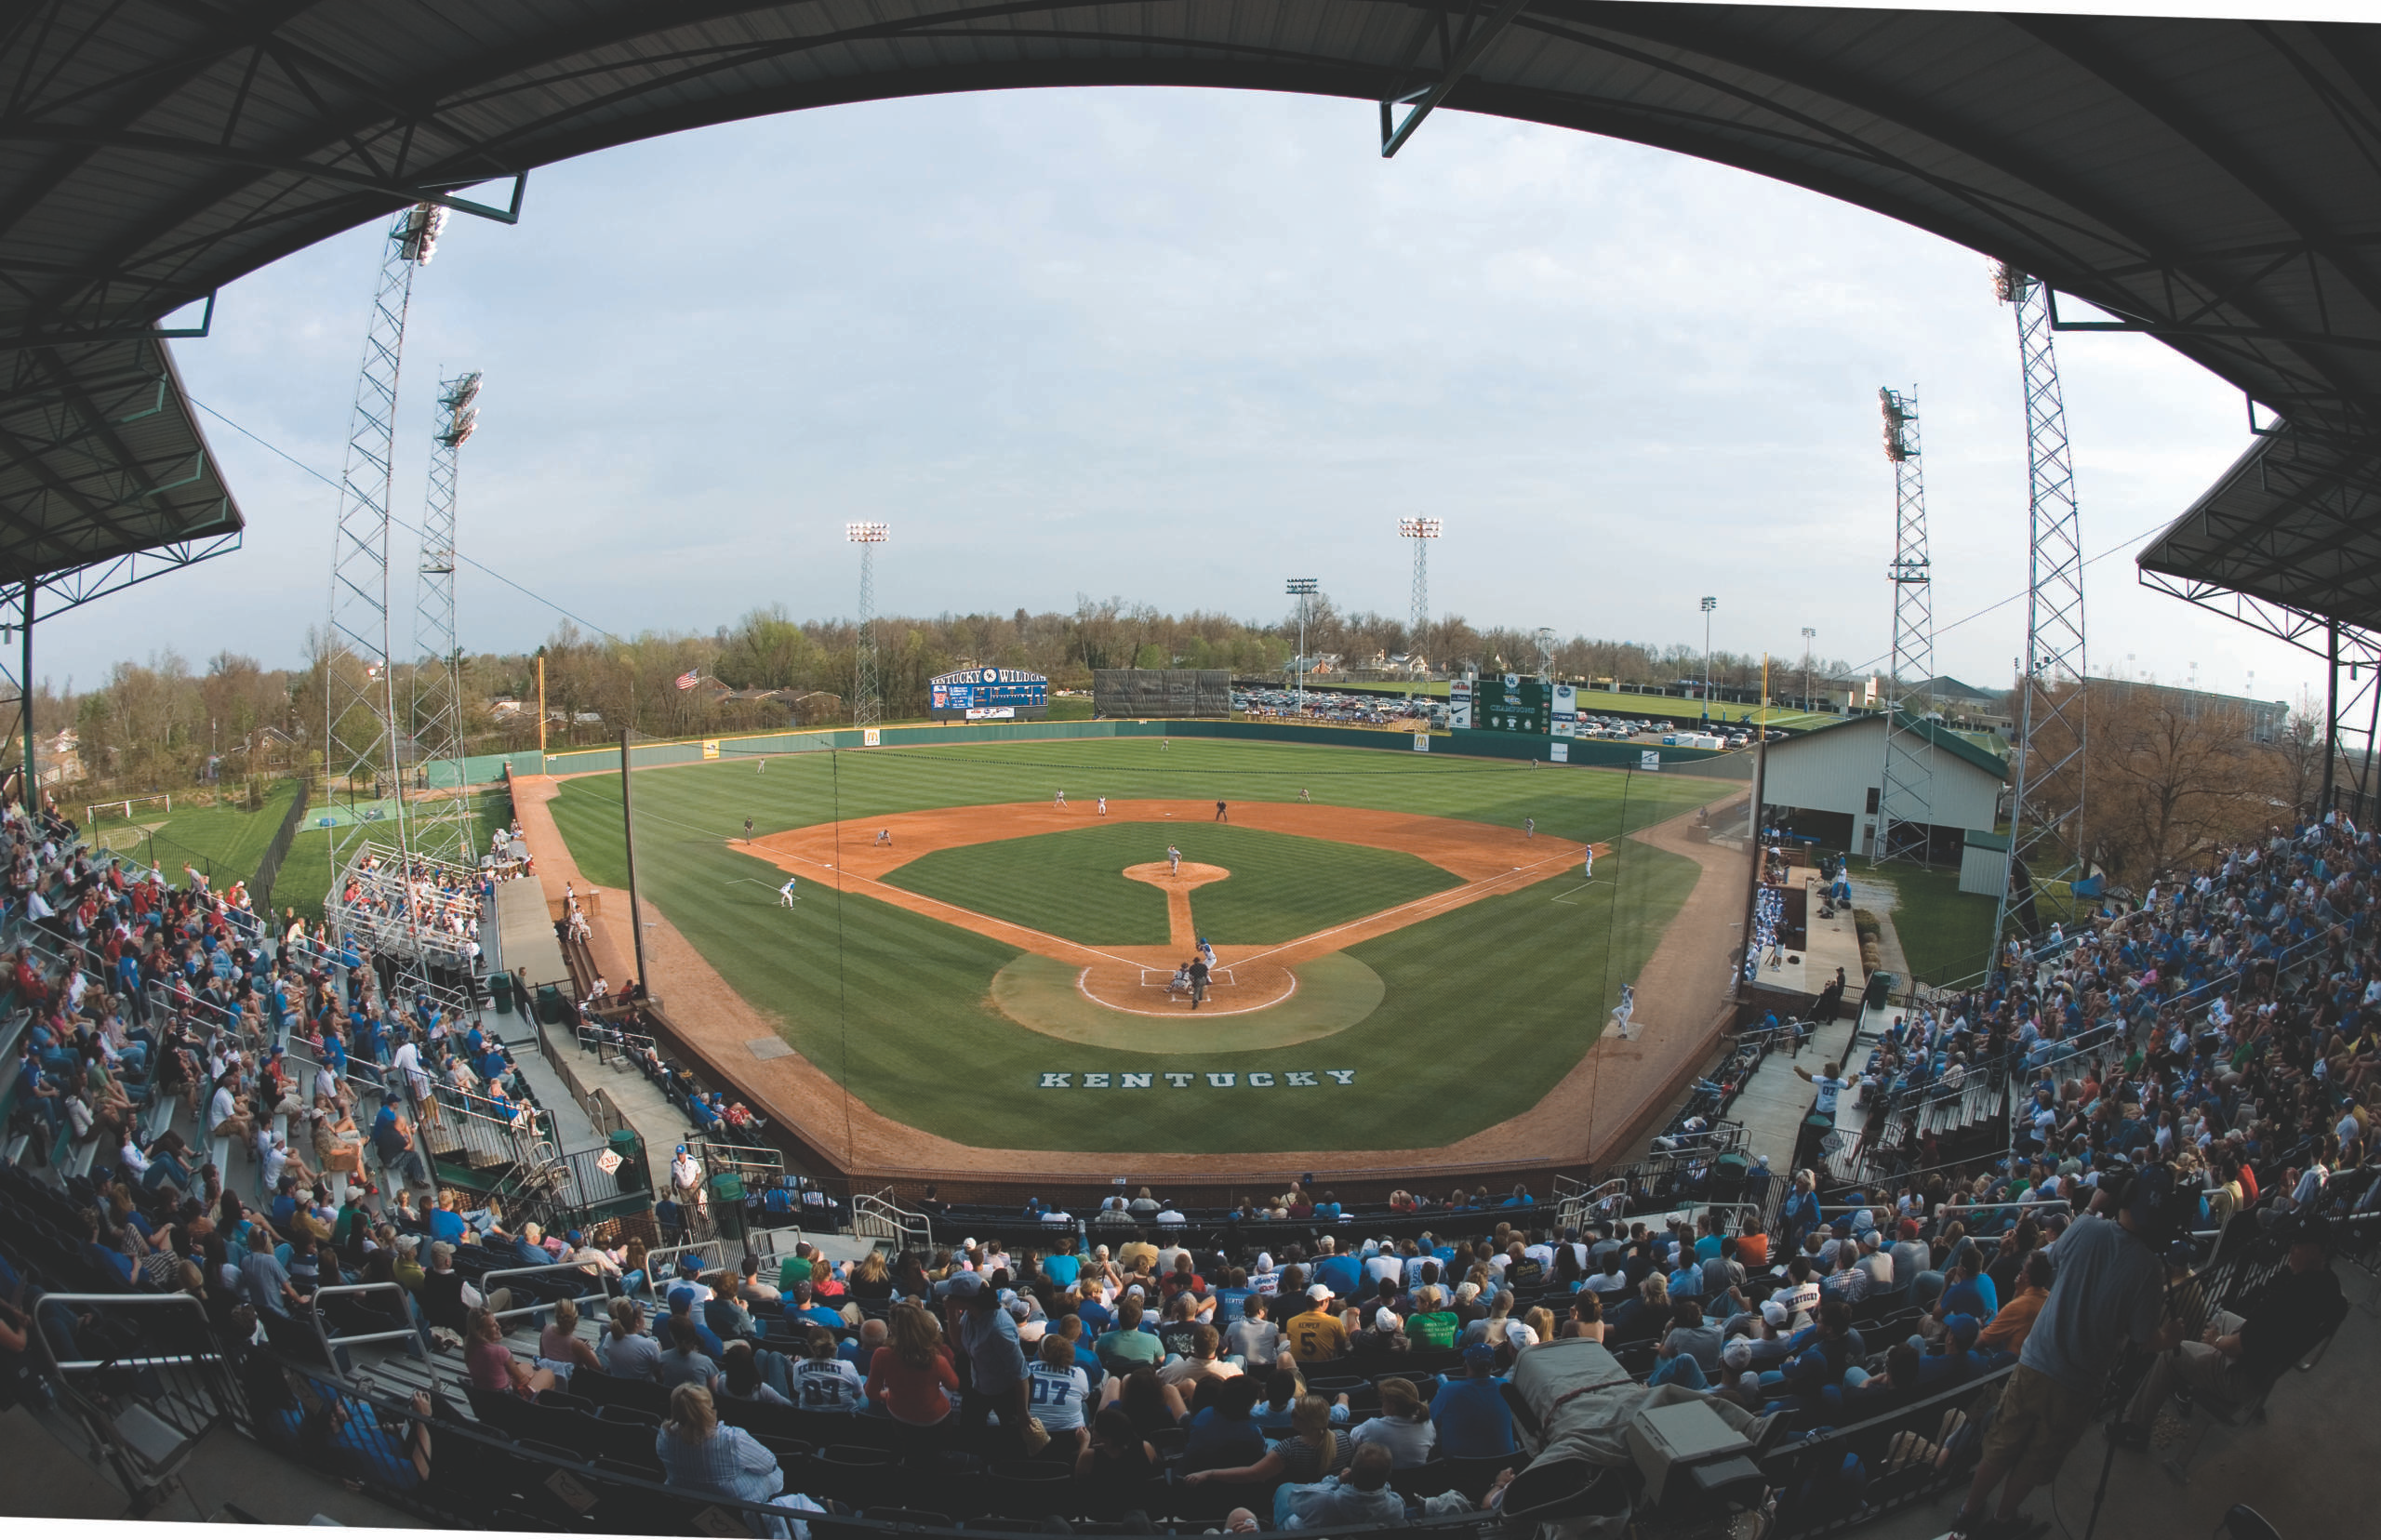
x: 2214, y: 183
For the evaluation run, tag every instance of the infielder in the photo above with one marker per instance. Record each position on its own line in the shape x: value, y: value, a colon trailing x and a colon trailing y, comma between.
x: 1103, y: 807
x: 1303, y: 796
x: 1588, y: 866
x: 1529, y: 829
x: 885, y: 836
x: 748, y: 831
x: 1173, y: 862
x: 1059, y: 799
x: 785, y: 893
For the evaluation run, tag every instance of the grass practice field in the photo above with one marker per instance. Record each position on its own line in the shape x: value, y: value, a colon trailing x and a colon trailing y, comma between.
x: 965, y: 980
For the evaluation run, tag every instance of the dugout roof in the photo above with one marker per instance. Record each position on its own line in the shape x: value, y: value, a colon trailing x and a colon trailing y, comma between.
x: 2214, y: 183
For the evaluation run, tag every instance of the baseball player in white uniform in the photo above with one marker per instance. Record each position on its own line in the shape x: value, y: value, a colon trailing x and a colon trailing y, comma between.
x: 1588, y: 865
x: 1529, y: 829
x: 1173, y: 862
x: 1624, y: 1014
x: 785, y: 893
x: 885, y: 836
x: 1103, y: 807
x: 1059, y: 799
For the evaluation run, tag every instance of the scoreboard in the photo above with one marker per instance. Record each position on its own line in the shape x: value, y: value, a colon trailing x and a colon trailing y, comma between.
x: 989, y: 694
x: 1502, y: 703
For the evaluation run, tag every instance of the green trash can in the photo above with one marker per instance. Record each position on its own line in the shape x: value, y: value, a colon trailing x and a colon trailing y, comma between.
x: 632, y: 1172
x: 500, y: 985
x: 549, y: 1004
x: 727, y: 1205
x: 1880, y: 989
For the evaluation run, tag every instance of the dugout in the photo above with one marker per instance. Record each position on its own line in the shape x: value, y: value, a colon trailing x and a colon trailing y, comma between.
x: 1161, y: 692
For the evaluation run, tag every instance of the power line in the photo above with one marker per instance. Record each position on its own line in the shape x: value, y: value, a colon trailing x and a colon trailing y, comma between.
x: 332, y: 482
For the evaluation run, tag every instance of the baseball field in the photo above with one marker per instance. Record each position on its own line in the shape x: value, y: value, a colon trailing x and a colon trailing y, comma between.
x: 1408, y: 949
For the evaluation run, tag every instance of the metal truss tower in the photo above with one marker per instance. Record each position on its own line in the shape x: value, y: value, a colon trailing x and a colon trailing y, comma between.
x: 360, y: 737
x: 2047, y: 843
x: 1906, y: 795
x: 868, y: 696
x: 1417, y: 629
x: 442, y: 827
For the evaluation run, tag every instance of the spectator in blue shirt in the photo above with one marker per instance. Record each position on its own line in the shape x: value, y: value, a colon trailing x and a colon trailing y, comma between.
x: 1469, y: 1413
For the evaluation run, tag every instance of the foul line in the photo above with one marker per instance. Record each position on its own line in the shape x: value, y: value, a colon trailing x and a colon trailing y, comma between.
x: 1449, y: 899
x: 1565, y: 897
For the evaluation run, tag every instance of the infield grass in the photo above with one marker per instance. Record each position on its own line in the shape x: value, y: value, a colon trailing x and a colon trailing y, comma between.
x: 1070, y: 884
x: 1484, y: 1006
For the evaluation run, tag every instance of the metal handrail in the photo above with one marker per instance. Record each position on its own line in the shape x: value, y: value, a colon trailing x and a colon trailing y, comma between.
x: 322, y: 1328
x: 487, y: 1284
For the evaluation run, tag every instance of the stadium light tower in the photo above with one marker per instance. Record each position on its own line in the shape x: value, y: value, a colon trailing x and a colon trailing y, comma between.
x: 444, y: 829
x: 1711, y: 603
x: 1905, y: 791
x: 867, y: 700
x: 359, y: 736
x: 1421, y: 532
x: 2046, y: 835
x: 1302, y: 588
x: 1808, y: 633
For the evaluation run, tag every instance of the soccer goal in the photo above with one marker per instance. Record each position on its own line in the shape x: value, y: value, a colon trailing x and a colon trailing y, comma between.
x: 94, y: 812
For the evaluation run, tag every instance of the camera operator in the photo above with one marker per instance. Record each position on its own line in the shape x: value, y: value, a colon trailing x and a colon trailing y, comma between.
x: 2110, y: 1288
x: 2241, y: 1354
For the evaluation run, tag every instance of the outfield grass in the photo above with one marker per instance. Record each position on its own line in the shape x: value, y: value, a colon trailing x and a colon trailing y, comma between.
x: 1484, y: 1007
x: 1282, y: 886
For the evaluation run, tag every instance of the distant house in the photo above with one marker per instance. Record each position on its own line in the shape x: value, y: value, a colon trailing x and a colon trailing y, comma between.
x: 503, y: 709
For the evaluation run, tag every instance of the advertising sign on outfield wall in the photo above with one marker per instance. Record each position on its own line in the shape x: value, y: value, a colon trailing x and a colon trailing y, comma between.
x: 1421, y: 743
x: 1459, y: 703
x: 1649, y: 759
x: 1559, y: 751
x: 711, y: 747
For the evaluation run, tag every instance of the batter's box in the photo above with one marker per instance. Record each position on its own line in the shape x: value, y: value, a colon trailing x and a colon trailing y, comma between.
x: 1158, y: 979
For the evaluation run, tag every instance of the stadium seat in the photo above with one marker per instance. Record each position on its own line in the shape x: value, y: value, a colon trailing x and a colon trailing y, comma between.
x: 1029, y: 1489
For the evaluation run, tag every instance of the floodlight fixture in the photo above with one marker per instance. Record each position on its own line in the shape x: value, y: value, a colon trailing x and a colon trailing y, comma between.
x: 419, y: 242
x: 1304, y: 585
x: 1420, y: 529
x: 865, y: 534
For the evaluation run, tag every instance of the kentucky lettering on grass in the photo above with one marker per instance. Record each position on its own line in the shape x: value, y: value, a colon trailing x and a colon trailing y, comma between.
x: 1183, y: 1080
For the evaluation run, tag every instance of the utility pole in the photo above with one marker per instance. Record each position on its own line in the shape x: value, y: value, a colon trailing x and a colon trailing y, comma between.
x: 628, y: 843
x: 1808, y: 634
x: 1302, y: 588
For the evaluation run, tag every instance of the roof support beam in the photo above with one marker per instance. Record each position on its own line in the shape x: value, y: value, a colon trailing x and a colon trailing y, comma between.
x: 1479, y: 31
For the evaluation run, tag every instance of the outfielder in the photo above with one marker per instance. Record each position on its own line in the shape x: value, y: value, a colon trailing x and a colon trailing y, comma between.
x: 1173, y: 862
x: 785, y: 893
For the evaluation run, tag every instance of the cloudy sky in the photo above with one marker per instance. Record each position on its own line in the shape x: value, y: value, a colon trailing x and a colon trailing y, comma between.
x: 1176, y: 346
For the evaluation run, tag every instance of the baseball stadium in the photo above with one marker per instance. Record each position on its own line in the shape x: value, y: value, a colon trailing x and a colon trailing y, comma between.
x: 913, y: 1076
x: 975, y: 974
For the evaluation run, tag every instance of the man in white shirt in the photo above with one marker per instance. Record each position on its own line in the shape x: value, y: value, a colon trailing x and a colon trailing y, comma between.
x: 407, y: 1062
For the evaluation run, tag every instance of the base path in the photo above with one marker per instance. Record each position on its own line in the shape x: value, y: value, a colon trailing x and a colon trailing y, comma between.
x: 1584, y: 1117
x: 1490, y: 860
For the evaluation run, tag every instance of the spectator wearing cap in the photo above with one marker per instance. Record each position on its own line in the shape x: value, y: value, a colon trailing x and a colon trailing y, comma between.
x: 1315, y: 1334
x: 1954, y: 1361
x: 2238, y: 1355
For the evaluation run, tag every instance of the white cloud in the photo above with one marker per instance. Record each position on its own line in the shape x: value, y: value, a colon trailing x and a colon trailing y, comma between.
x: 1172, y: 344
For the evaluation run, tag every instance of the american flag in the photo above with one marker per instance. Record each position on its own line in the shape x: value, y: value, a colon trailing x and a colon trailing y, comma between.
x: 691, y: 678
